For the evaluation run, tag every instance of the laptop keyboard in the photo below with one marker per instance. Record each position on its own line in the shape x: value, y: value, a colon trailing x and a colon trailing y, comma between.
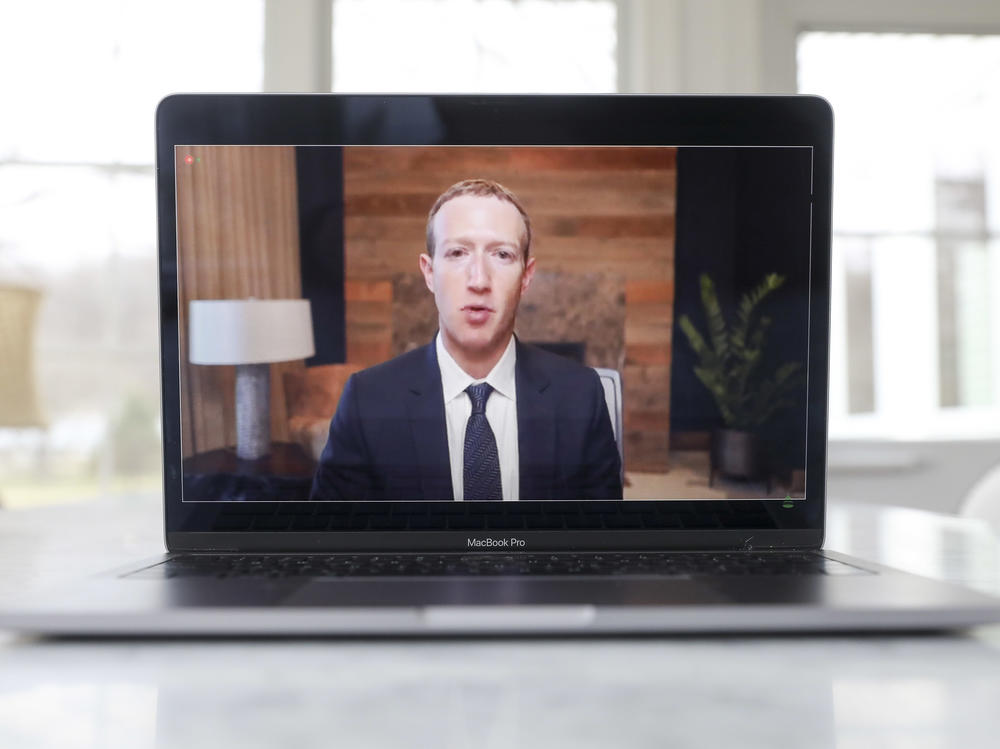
x: 674, y: 564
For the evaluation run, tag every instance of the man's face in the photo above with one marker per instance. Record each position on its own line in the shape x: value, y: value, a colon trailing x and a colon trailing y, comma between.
x: 477, y: 274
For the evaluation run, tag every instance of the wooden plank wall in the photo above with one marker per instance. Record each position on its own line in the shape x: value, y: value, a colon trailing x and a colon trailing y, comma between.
x: 594, y: 210
x: 237, y: 237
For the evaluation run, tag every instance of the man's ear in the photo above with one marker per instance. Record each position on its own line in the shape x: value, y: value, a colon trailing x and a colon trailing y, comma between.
x: 529, y: 273
x: 427, y: 268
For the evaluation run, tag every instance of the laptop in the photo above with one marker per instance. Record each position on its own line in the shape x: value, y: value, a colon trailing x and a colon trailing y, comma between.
x: 495, y: 364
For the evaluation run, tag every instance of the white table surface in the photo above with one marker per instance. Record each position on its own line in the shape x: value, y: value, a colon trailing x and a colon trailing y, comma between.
x: 843, y: 692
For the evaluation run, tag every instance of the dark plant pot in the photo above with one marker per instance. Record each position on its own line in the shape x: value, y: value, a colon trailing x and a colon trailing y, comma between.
x: 737, y: 454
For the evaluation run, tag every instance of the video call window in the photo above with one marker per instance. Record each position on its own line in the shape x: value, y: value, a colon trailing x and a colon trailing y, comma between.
x: 493, y: 323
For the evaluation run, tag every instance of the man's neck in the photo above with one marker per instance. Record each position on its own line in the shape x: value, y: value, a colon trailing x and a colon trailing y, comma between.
x: 476, y: 367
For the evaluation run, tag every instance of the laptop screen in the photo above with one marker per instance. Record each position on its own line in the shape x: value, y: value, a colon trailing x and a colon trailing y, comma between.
x: 493, y: 323
x: 597, y: 321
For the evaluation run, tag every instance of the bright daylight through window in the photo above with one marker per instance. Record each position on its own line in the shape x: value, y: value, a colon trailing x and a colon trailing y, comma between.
x: 78, y: 317
x: 916, y: 221
x: 488, y: 46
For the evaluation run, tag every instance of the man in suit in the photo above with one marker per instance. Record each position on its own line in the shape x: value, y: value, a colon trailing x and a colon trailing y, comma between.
x: 475, y: 414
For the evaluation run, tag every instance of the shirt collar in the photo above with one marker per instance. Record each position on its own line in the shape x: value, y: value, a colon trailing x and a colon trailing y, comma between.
x: 454, y: 379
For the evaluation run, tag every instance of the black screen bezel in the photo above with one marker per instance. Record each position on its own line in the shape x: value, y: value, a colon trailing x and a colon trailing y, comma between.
x: 512, y: 120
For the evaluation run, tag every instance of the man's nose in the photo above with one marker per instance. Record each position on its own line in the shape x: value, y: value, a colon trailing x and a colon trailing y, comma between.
x: 478, y: 272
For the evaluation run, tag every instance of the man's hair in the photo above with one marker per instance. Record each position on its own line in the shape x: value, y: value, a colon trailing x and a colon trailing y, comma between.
x: 485, y: 188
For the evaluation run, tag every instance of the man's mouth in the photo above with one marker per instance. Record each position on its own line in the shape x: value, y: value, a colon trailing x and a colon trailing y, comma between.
x: 477, y: 313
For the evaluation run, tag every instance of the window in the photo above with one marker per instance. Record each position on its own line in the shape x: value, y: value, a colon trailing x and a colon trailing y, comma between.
x: 916, y: 222
x: 78, y: 223
x: 453, y: 46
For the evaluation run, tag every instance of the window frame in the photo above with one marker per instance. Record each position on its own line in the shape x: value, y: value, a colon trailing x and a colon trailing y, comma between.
x: 783, y: 22
x: 298, y: 45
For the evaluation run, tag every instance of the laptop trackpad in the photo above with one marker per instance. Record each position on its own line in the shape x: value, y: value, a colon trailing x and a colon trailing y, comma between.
x: 464, y: 591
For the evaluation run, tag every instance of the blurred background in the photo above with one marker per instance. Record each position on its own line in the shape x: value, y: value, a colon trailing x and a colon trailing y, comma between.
x: 915, y: 85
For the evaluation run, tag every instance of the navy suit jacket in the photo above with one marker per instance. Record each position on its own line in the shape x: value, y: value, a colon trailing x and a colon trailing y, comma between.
x: 388, y: 439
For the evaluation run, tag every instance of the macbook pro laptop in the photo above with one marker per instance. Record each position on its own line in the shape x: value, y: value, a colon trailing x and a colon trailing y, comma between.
x: 495, y: 364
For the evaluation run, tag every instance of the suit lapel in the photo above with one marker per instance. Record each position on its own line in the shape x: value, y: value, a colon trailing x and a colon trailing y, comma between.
x: 535, y: 427
x: 425, y: 412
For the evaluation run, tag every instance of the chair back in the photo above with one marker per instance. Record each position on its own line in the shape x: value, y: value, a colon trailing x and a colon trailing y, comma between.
x: 611, y: 380
x: 983, y: 499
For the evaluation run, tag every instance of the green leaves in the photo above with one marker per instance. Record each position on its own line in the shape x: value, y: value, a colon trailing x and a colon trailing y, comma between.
x: 716, y: 322
x: 728, y: 367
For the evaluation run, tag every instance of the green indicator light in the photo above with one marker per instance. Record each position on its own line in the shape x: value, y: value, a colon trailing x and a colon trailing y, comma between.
x: 788, y: 504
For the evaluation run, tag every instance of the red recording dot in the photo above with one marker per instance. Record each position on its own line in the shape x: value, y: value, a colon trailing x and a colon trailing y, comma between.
x: 189, y: 159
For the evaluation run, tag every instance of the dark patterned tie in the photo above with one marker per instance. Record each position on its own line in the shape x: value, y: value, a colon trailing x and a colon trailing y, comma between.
x: 481, y: 470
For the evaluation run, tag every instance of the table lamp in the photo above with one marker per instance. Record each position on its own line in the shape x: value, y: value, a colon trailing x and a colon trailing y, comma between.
x: 252, y: 334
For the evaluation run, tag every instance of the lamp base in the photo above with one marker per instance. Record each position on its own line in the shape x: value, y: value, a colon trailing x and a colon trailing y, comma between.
x: 253, y: 411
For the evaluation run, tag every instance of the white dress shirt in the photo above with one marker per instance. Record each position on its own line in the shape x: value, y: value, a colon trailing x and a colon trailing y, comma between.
x: 501, y: 413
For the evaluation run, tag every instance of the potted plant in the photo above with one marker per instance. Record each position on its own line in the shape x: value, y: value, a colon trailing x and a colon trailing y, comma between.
x: 731, y: 364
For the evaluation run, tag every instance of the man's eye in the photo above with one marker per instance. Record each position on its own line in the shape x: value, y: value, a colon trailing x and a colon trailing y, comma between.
x: 454, y: 252
x: 505, y: 254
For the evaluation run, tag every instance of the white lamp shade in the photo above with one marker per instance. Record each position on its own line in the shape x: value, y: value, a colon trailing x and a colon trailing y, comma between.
x: 249, y: 331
